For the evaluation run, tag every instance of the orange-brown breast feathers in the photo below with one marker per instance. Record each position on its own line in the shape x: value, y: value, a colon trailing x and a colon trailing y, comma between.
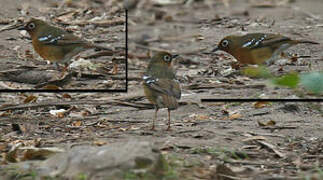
x: 254, y: 56
x: 47, y: 52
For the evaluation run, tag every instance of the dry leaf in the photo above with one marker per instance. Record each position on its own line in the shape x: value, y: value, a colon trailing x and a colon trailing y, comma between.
x: 58, y: 113
x: 30, y: 99
x: 51, y: 87
x: 199, y: 37
x: 199, y: 117
x: 5, y: 114
x: 269, y: 123
x: 33, y: 153
x: 77, y: 123
x: 11, y: 156
x: 3, y: 147
x: 86, y: 113
x: 260, y: 104
x: 168, y: 18
x: 235, y: 116
x: 67, y: 96
x: 115, y: 69
x: 99, y: 143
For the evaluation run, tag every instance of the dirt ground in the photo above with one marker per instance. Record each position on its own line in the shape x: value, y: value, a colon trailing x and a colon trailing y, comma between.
x: 208, y: 140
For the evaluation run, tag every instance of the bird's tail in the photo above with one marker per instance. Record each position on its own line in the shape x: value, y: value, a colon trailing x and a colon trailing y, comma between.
x: 99, y: 47
x: 106, y: 50
x: 306, y: 42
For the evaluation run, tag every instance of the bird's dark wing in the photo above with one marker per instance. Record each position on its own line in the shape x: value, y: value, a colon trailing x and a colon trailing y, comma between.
x: 260, y: 40
x: 274, y: 40
x: 169, y: 87
x: 60, y: 39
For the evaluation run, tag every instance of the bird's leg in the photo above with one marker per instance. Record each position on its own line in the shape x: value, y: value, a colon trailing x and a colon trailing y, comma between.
x: 64, y: 69
x: 58, y: 68
x: 115, y: 68
x: 168, y: 128
x: 155, y: 117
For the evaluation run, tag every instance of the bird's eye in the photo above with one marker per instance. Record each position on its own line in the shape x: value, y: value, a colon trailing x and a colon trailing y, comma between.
x: 167, y: 58
x: 31, y: 25
x: 225, y: 43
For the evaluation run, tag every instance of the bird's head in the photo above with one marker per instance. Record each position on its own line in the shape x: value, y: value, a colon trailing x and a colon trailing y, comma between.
x: 164, y: 58
x: 32, y: 26
x: 227, y: 44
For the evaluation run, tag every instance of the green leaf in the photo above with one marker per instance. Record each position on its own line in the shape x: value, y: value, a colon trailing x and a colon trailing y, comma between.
x: 312, y: 82
x: 290, y: 80
x: 257, y: 72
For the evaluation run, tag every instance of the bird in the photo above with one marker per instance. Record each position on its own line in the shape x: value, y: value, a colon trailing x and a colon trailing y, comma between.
x: 55, y: 44
x: 257, y: 48
x: 160, y: 85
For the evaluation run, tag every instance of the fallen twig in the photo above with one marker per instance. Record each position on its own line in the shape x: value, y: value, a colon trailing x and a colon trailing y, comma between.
x: 279, y: 127
x: 267, y: 134
x: 126, y: 121
x: 271, y: 147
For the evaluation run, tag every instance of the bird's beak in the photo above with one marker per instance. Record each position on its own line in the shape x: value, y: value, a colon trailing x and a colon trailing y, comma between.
x: 22, y: 27
x: 175, y: 56
x: 215, y: 49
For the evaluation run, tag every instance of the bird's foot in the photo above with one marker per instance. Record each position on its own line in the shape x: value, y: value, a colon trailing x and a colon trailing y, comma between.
x: 64, y: 71
x: 153, y: 128
x: 115, y: 69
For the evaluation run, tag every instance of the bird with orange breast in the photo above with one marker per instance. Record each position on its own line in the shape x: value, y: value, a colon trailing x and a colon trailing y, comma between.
x: 160, y: 85
x: 257, y: 48
x: 55, y: 44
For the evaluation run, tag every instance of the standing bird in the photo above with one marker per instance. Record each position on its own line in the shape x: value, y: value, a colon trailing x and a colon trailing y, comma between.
x: 55, y: 44
x: 257, y: 48
x: 160, y: 86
